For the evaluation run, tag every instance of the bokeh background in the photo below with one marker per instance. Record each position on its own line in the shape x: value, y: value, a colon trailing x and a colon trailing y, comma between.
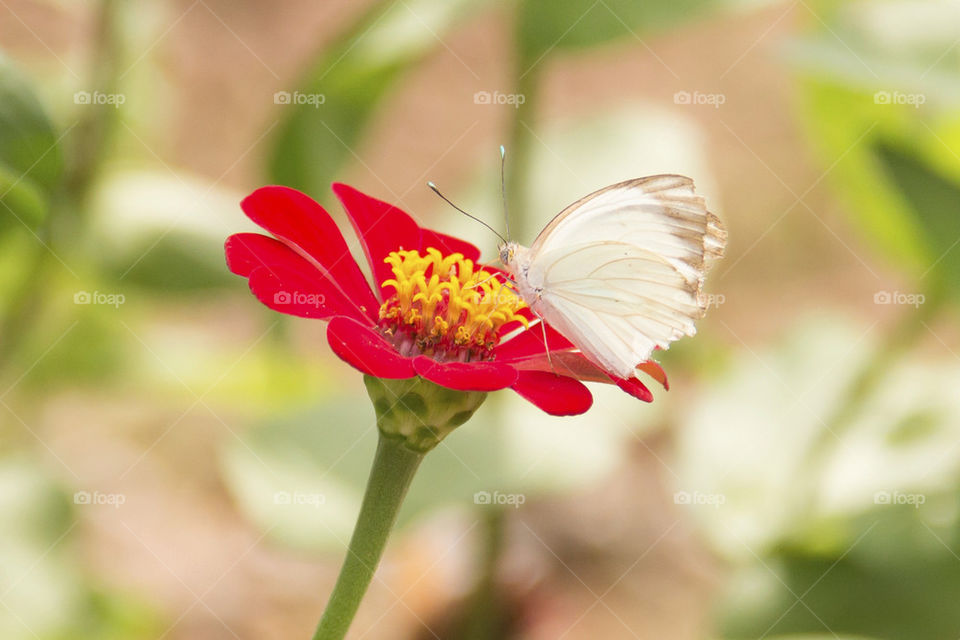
x: 178, y: 462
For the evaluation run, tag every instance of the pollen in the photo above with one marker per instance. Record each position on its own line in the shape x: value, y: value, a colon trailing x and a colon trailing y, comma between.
x: 445, y: 306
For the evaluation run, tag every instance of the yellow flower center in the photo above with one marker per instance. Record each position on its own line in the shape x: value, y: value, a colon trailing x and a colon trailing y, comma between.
x: 445, y: 306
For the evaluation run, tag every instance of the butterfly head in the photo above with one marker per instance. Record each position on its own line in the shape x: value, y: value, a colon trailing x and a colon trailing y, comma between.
x: 508, y: 253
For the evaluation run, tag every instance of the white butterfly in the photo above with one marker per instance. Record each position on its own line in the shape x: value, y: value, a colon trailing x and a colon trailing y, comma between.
x: 620, y: 272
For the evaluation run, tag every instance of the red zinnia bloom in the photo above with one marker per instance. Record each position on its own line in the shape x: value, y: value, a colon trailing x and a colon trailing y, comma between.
x: 434, y: 313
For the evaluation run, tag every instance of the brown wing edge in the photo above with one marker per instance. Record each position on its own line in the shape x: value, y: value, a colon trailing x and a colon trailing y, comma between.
x: 714, y: 233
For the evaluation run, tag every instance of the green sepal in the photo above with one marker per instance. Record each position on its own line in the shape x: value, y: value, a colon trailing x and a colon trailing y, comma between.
x: 418, y: 411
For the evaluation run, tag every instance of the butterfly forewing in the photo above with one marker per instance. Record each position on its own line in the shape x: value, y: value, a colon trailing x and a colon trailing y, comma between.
x: 620, y: 271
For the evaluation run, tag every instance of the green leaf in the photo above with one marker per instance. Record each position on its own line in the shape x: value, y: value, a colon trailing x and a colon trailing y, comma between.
x: 31, y: 160
x: 935, y: 201
x: 879, y: 73
x: 841, y: 120
x: 48, y: 592
x: 21, y: 202
x: 313, y: 145
x: 171, y: 263
x: 324, y: 119
x: 897, y: 578
x: 28, y: 142
x: 88, y: 351
x: 301, y: 477
x: 546, y: 25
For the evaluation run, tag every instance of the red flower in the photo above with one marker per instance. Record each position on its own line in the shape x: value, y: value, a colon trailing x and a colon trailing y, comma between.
x: 436, y: 313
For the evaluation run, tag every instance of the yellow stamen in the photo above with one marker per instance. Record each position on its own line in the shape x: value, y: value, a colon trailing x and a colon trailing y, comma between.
x: 446, y: 305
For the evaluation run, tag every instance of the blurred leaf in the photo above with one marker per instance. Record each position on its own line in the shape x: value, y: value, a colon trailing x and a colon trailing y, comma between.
x: 896, y: 578
x: 172, y: 264
x: 878, y: 71
x: 312, y: 146
x: 28, y: 142
x: 872, y: 70
x: 163, y: 232
x: 344, y: 88
x: 46, y: 592
x: 20, y: 201
x: 934, y: 199
x: 41, y: 589
x: 31, y: 161
x: 15, y: 263
x: 860, y: 521
x: 785, y: 475
x: 819, y: 636
x: 116, y: 615
x: 546, y: 25
x: 840, y: 121
x: 302, y: 477
x: 87, y: 352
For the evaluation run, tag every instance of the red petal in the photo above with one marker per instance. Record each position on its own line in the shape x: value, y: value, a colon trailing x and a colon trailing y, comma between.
x: 466, y: 376
x: 656, y: 372
x: 557, y: 395
x: 300, y: 222
x: 447, y: 244
x: 568, y: 363
x: 286, y: 282
x: 247, y: 251
x: 366, y: 350
x: 635, y: 388
x: 381, y: 227
x: 530, y: 343
x: 287, y: 291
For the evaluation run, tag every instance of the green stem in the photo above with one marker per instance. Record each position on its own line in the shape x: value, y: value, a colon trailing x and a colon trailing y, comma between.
x: 393, y: 469
x: 89, y: 141
x: 23, y: 305
x: 88, y: 144
x: 526, y: 82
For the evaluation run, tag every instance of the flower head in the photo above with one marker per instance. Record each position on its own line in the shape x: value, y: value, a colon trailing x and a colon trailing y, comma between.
x: 435, y: 311
x: 445, y: 307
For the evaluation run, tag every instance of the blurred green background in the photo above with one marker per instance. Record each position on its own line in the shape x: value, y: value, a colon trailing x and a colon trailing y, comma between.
x: 178, y: 462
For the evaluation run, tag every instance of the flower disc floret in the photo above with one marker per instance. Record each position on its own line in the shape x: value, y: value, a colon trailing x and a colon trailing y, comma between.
x: 445, y: 306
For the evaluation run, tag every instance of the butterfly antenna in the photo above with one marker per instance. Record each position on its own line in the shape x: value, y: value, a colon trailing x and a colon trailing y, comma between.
x: 503, y: 188
x: 469, y: 215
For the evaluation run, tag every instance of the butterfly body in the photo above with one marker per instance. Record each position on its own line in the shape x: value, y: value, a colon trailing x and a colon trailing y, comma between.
x: 517, y: 260
x: 620, y: 272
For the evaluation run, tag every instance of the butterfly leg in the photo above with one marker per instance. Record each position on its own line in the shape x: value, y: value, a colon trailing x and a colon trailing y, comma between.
x: 487, y: 279
x: 543, y: 328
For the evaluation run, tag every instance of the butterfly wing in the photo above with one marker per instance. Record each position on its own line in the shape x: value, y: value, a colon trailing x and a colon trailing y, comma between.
x: 620, y: 272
